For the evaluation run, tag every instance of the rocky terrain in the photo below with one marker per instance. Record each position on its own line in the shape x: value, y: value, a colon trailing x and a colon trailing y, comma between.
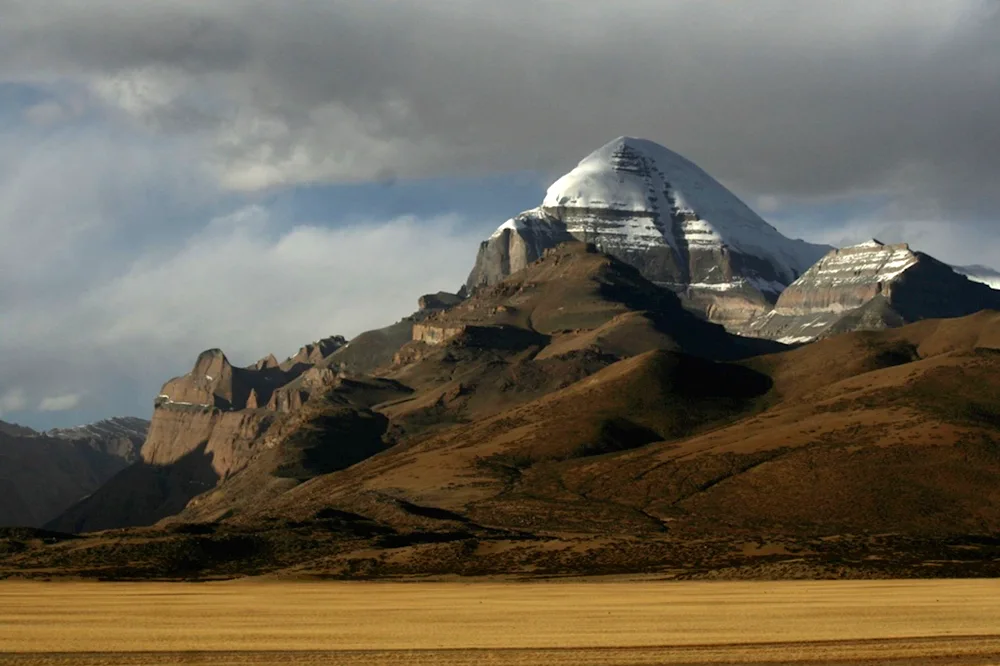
x: 210, y: 423
x: 42, y: 474
x: 870, y: 286
x: 574, y: 418
x: 659, y: 212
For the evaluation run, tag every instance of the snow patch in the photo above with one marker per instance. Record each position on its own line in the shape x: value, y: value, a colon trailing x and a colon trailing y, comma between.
x: 796, y: 339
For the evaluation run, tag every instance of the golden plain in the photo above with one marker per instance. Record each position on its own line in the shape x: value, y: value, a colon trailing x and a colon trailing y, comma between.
x: 578, y: 622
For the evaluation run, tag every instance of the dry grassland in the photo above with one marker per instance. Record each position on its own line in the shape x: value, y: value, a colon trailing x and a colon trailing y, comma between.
x: 620, y: 622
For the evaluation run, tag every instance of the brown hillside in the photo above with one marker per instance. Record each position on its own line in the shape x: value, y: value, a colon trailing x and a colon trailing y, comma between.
x: 576, y: 419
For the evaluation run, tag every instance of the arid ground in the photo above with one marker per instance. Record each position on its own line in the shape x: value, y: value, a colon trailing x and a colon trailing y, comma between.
x: 620, y: 622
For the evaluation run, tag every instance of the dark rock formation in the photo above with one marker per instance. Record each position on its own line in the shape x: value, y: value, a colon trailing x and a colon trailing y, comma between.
x: 41, y: 474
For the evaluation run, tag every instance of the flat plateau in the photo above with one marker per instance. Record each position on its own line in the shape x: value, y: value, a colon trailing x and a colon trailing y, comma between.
x: 572, y: 622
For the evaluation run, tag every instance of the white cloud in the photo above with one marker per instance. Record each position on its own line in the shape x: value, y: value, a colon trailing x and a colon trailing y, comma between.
x: 59, y: 403
x: 254, y: 287
x: 13, y: 400
x: 245, y: 282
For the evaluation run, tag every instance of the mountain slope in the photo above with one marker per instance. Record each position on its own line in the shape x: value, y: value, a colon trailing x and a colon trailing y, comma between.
x: 41, y: 474
x: 570, y: 314
x: 871, y: 286
x: 661, y: 213
x: 575, y: 418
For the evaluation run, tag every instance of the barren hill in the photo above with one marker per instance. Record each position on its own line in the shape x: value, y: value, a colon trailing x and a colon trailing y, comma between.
x: 575, y: 418
x: 42, y: 474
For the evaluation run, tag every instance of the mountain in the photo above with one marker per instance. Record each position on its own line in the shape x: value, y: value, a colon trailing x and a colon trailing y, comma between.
x: 203, y: 425
x: 988, y: 276
x: 871, y: 454
x: 659, y: 212
x: 42, y: 474
x: 871, y: 286
x: 570, y: 314
x: 210, y: 423
x: 576, y: 419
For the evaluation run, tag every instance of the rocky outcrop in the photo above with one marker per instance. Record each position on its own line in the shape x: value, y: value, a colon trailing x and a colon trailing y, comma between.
x: 269, y: 362
x: 228, y: 437
x: 42, y: 474
x: 207, y: 425
x: 293, y: 395
x: 374, y: 350
x: 662, y: 214
x: 442, y: 300
x: 433, y: 334
x: 870, y: 286
x: 314, y: 352
x: 227, y: 408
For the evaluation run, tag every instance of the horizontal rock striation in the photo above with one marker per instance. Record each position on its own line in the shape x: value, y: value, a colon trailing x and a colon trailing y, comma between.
x: 870, y: 286
x: 662, y: 214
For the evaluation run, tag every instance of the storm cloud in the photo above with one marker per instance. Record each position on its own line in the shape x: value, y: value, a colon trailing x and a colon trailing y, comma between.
x: 781, y: 98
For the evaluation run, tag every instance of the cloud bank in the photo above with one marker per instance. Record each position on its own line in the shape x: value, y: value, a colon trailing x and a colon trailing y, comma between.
x: 781, y: 97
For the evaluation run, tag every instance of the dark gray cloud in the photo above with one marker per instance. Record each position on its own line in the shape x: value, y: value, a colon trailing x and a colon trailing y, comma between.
x: 782, y: 98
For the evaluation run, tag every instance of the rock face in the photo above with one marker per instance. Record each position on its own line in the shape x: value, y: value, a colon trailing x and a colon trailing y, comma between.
x: 659, y: 212
x: 313, y: 353
x: 207, y: 425
x: 41, y: 474
x: 212, y: 422
x: 375, y: 349
x: 121, y: 436
x: 871, y: 286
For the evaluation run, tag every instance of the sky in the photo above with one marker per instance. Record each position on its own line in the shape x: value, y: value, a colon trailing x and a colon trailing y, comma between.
x: 177, y: 175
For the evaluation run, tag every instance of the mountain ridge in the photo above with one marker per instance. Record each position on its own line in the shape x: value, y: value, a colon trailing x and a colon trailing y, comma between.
x: 44, y: 473
x: 870, y: 286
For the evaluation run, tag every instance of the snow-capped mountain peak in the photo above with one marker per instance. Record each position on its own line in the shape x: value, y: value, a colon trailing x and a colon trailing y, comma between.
x: 663, y: 214
x: 640, y: 177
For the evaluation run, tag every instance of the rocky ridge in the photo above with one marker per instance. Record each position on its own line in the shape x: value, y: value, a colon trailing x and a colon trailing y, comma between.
x: 213, y: 421
x: 870, y: 286
x: 42, y: 474
x: 595, y: 442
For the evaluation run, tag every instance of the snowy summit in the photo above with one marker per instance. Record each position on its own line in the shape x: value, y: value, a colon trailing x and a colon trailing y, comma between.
x: 655, y: 209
